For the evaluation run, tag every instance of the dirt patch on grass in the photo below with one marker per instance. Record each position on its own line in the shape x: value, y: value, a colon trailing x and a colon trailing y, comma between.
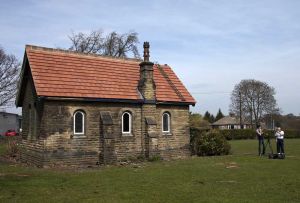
x: 228, y: 165
x: 231, y: 165
x: 227, y: 181
x: 248, y: 154
x: 14, y: 174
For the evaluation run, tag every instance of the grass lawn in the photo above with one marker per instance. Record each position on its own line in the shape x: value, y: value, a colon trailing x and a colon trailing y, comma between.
x: 240, y: 177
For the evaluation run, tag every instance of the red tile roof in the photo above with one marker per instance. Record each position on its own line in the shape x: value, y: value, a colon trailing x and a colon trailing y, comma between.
x: 58, y: 73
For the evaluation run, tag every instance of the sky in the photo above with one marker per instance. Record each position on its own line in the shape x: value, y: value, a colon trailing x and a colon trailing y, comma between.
x: 211, y: 45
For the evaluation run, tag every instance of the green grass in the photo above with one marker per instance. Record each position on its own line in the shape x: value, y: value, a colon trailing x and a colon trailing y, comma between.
x: 2, y: 147
x: 240, y: 177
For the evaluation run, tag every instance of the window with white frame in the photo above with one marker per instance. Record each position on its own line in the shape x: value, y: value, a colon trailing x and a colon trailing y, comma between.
x: 78, y: 123
x: 166, y: 122
x: 126, y: 123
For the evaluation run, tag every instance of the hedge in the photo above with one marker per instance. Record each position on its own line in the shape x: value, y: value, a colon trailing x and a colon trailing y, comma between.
x: 238, y: 134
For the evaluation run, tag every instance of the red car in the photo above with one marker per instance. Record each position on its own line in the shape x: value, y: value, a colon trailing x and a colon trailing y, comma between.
x: 11, y: 133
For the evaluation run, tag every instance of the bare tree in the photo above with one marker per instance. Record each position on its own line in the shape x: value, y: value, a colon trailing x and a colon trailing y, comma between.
x: 87, y: 43
x: 253, y: 99
x: 114, y: 44
x: 9, y: 75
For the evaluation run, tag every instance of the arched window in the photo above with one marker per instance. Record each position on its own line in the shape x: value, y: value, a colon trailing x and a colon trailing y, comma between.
x: 166, y: 123
x: 126, y: 123
x: 78, y: 123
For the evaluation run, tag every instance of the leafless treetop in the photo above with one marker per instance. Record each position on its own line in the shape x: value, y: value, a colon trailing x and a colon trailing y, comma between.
x: 114, y: 44
x: 9, y: 74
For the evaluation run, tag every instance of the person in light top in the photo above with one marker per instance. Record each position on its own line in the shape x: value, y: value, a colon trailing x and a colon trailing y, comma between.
x: 279, y: 134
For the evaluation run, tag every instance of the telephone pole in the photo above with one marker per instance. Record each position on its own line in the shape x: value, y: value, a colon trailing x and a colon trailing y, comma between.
x: 240, y: 97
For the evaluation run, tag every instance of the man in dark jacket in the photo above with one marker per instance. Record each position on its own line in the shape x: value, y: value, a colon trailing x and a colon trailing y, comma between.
x: 261, y: 143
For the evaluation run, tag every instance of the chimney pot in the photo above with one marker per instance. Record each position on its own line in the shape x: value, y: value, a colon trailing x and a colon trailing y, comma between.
x: 146, y: 51
x: 146, y: 84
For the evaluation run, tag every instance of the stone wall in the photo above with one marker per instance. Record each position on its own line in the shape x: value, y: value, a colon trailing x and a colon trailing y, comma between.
x: 32, y: 148
x: 63, y: 147
x: 32, y: 152
x: 27, y: 114
x: 176, y: 143
x: 57, y: 144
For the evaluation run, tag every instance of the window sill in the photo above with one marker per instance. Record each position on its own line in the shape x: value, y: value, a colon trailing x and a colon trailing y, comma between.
x: 77, y: 136
x: 127, y: 135
x: 167, y: 134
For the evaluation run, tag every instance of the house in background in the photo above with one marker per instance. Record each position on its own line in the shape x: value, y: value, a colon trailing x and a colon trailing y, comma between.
x: 230, y: 122
x: 9, y: 121
x: 86, y: 109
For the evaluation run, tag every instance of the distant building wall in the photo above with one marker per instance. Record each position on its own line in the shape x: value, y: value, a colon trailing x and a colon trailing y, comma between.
x: 230, y: 126
x: 9, y: 121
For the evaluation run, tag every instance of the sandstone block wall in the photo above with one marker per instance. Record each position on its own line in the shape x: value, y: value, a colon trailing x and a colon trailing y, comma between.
x: 48, y: 137
x: 57, y: 144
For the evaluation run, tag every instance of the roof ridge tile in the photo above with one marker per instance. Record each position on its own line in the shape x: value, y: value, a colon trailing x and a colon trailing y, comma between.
x: 66, y: 51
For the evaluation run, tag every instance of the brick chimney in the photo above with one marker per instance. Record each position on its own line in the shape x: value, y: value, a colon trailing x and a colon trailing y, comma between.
x: 146, y: 84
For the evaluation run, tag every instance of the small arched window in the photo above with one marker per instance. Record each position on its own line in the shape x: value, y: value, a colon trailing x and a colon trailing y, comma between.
x: 166, y: 123
x: 78, y: 123
x: 126, y: 123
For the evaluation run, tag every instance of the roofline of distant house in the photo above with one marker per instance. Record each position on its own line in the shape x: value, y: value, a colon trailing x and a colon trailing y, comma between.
x: 4, y: 112
x: 111, y: 100
x: 230, y: 124
x: 65, y: 51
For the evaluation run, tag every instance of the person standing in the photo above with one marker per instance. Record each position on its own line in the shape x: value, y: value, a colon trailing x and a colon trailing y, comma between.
x: 261, y: 142
x: 279, y: 134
